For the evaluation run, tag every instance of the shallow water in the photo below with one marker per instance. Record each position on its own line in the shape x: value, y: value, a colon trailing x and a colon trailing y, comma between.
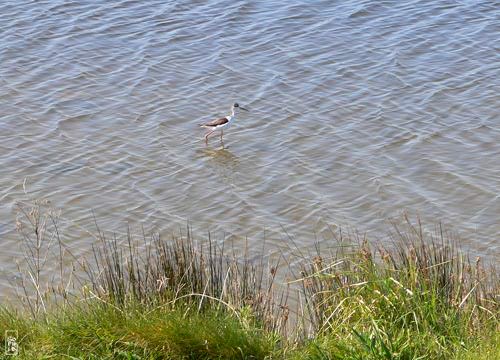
x: 360, y: 110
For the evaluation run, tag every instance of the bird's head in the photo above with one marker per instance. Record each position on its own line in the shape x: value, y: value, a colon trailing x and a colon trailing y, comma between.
x: 236, y: 107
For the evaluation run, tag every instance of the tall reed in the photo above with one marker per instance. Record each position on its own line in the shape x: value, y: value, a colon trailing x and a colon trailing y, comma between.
x: 422, y: 298
x: 160, y: 272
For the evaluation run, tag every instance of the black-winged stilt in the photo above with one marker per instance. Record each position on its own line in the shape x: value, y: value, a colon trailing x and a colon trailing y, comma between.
x: 222, y: 123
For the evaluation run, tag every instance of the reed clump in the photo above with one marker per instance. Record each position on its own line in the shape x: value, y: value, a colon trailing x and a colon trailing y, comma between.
x: 179, y: 298
x: 421, y: 299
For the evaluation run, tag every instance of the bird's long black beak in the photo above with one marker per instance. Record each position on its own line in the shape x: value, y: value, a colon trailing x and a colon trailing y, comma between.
x: 242, y: 108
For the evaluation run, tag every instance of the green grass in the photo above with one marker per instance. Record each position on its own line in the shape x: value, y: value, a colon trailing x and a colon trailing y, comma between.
x: 422, y: 300
x: 179, y: 299
x: 101, y: 331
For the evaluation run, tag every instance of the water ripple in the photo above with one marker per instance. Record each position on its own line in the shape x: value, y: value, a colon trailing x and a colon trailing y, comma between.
x: 359, y: 110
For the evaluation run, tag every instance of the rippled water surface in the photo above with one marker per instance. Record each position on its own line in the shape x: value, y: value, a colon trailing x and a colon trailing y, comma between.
x: 360, y: 110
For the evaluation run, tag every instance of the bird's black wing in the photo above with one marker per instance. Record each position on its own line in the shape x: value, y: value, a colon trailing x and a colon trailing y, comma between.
x: 215, y: 123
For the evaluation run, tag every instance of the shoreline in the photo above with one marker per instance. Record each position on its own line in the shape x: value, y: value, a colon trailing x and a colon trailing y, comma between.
x: 181, y: 298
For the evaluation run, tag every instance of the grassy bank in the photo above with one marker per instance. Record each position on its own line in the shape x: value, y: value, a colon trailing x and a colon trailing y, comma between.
x: 183, y: 299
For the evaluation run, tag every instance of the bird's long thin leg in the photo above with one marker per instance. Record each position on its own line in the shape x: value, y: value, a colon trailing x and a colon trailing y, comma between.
x: 221, y: 133
x: 207, y: 135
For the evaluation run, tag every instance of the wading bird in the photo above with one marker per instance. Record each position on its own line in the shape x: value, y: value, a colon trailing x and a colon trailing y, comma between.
x: 222, y: 123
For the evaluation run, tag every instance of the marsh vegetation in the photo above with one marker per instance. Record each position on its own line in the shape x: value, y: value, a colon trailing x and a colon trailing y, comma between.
x: 183, y: 298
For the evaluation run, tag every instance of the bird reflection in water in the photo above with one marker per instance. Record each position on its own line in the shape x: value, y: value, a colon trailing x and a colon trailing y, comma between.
x: 224, y: 162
